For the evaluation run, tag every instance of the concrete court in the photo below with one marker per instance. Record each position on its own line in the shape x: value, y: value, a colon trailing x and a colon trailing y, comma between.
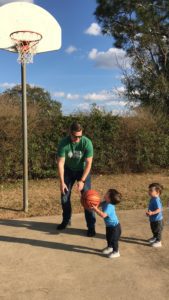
x: 37, y: 262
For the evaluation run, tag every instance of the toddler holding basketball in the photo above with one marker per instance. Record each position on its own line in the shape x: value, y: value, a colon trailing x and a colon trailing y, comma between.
x: 113, y: 228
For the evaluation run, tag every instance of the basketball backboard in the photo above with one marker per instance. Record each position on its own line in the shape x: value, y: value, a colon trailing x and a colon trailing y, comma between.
x: 24, y: 16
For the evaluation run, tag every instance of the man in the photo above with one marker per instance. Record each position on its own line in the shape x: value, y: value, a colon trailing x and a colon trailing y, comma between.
x: 75, y: 155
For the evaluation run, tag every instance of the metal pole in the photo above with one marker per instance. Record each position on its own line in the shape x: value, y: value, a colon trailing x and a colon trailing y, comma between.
x: 25, y: 138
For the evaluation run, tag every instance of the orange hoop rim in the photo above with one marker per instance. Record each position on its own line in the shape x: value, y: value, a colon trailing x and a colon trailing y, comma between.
x: 23, y: 40
x: 25, y: 43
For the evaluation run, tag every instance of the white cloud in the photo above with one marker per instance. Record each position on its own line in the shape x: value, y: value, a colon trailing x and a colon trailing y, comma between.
x: 120, y: 77
x: 2, y: 2
x: 94, y: 29
x: 112, y: 58
x: 112, y: 100
x: 100, y: 96
x: 121, y: 90
x: 67, y: 96
x: 103, y: 95
x: 83, y: 106
x: 7, y: 85
x: 117, y: 103
x: 71, y: 49
x: 59, y: 94
x: 70, y: 96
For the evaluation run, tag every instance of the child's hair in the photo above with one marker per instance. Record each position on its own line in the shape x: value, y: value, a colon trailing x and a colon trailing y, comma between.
x: 158, y: 187
x: 115, y: 196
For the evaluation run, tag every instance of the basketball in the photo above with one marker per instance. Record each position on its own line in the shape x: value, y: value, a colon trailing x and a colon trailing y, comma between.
x: 89, y: 198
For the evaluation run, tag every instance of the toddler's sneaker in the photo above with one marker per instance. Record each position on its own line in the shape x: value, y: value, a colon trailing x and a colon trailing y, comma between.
x: 152, y: 240
x: 156, y: 244
x: 114, y: 255
x: 107, y: 250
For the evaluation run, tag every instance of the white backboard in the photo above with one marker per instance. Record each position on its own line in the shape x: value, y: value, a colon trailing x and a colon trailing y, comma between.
x: 25, y: 16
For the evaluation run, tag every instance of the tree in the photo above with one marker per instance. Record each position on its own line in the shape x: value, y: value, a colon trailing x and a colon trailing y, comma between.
x: 141, y: 28
x: 44, y: 115
x: 35, y: 96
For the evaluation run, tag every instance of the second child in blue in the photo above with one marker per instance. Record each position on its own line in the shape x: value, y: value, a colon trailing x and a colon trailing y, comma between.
x: 155, y: 214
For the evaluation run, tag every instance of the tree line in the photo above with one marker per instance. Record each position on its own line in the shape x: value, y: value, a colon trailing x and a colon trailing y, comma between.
x: 135, y: 143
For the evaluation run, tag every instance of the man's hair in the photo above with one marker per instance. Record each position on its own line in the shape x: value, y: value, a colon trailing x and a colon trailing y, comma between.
x: 158, y: 187
x: 75, y: 126
x: 115, y: 196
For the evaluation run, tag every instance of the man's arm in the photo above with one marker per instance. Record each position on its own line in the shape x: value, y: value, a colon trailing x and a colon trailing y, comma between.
x: 87, y: 168
x: 61, y: 163
x: 86, y: 172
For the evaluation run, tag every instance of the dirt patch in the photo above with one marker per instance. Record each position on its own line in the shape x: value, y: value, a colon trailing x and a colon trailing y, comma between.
x: 44, y: 195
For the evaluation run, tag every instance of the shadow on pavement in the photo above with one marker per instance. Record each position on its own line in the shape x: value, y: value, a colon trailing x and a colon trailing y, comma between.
x: 39, y: 226
x: 132, y: 240
x: 49, y: 228
x: 51, y: 245
x: 11, y: 209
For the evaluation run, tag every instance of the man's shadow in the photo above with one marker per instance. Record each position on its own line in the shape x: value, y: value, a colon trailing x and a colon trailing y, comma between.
x: 51, y: 228
x: 51, y: 245
x: 48, y: 228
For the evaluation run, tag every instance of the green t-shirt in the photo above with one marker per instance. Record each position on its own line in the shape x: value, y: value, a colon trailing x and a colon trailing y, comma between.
x: 75, y: 153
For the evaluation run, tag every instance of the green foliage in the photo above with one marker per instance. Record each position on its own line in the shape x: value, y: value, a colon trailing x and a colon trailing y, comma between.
x: 43, y: 116
x: 121, y: 144
x: 103, y: 129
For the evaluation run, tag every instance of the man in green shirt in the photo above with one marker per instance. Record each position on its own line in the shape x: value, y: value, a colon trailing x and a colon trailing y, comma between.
x: 74, y: 158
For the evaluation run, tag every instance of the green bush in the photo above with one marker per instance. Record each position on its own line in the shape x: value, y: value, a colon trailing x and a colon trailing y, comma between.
x: 121, y: 144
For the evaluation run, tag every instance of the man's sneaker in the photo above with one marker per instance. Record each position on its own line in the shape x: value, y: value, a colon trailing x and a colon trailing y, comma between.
x: 152, y: 240
x: 62, y: 226
x: 114, y: 254
x: 91, y: 232
x: 107, y: 250
x: 156, y: 244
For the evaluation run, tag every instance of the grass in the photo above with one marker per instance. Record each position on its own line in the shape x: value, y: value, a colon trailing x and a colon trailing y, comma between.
x: 44, y: 195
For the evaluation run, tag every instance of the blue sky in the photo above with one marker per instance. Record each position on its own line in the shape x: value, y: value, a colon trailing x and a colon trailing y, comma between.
x: 86, y: 68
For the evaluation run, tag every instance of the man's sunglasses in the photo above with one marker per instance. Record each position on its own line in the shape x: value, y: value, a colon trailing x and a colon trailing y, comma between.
x: 76, y: 136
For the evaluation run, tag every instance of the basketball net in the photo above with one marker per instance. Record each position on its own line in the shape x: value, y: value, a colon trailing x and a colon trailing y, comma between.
x: 25, y: 43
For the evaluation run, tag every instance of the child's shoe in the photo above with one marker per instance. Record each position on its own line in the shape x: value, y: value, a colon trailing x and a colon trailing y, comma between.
x: 152, y: 240
x: 107, y: 250
x: 156, y: 244
x: 114, y: 255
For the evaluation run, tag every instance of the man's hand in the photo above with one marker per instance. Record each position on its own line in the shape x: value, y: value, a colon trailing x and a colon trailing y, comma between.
x: 80, y: 185
x: 63, y: 188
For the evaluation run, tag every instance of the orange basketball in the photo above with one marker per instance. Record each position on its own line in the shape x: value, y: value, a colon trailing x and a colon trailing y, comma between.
x: 89, y: 198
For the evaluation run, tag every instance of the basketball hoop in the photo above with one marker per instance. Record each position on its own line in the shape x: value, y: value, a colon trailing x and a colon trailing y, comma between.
x: 25, y: 43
